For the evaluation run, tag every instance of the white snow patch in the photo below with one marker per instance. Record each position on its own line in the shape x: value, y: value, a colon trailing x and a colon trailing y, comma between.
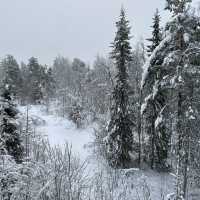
x: 173, y: 81
x: 144, y: 105
x: 158, y: 121
x: 170, y: 196
x: 60, y: 130
x: 169, y: 59
x: 155, y: 89
x: 186, y: 37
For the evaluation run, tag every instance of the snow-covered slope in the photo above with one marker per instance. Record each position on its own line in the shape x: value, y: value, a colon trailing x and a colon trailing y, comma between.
x: 60, y: 130
x: 133, y: 184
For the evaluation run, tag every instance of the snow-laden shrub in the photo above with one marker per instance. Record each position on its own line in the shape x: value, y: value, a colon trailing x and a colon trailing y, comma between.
x: 109, y: 184
x: 9, y: 175
x: 77, y: 115
x: 52, y: 173
x: 99, y: 144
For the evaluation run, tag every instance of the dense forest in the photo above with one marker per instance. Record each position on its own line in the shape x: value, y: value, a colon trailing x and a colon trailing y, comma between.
x: 142, y: 102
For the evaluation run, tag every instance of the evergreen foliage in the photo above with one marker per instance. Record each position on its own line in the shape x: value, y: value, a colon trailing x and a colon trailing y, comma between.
x: 170, y: 106
x: 35, y: 78
x: 176, y: 6
x: 13, y: 75
x: 156, y: 34
x: 10, y: 142
x: 120, y: 137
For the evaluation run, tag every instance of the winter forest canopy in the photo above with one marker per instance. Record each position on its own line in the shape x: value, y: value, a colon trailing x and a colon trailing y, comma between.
x: 126, y: 127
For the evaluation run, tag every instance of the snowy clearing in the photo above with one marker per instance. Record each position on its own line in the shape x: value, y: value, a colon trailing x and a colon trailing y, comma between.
x: 59, y: 131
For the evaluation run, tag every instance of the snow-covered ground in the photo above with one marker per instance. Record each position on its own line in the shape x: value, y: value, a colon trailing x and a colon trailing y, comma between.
x: 60, y: 130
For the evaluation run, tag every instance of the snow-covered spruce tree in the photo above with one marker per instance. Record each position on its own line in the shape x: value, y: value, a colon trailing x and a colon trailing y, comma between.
x: 173, y: 71
x: 10, y: 142
x: 25, y: 83
x: 156, y: 94
x: 119, y: 139
x: 185, y: 58
x: 35, y: 81
x: 176, y: 6
x: 152, y: 110
x: 50, y: 83
x: 135, y: 74
x: 12, y: 71
x: 154, y: 101
x: 156, y: 33
x: 49, y: 87
x: 185, y: 31
x: 155, y: 41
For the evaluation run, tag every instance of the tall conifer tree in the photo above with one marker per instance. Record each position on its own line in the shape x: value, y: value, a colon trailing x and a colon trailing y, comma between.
x: 169, y: 83
x: 35, y: 77
x: 156, y: 34
x: 10, y: 142
x: 12, y: 72
x: 155, y: 41
x: 120, y: 131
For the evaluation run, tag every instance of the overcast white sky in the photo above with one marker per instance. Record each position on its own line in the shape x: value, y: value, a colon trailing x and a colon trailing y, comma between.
x: 71, y: 28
